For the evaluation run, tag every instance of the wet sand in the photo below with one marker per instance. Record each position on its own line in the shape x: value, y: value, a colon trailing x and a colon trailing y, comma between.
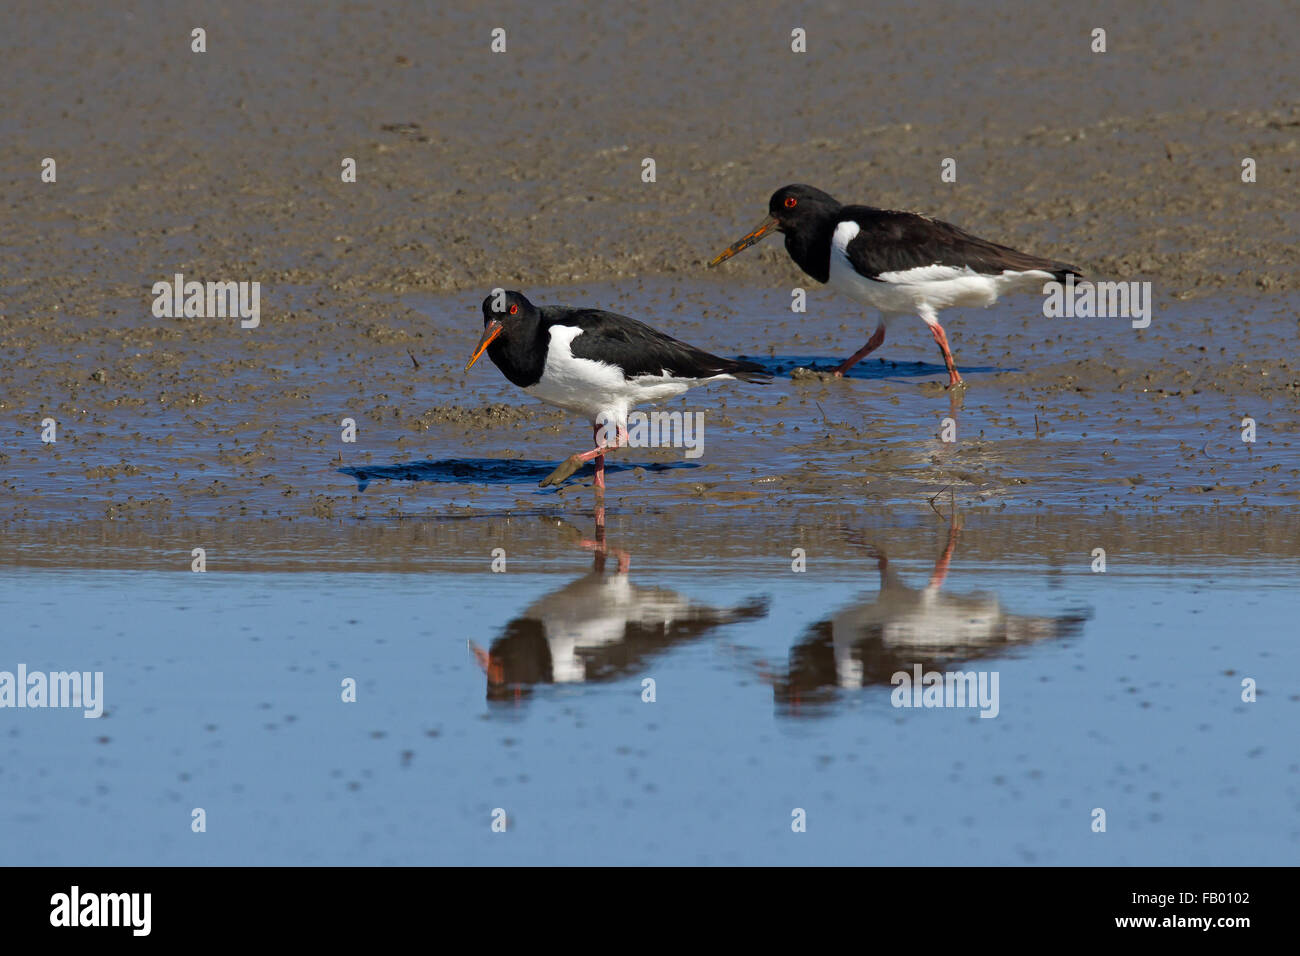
x: 523, y: 169
x: 691, y: 534
x: 1061, y: 415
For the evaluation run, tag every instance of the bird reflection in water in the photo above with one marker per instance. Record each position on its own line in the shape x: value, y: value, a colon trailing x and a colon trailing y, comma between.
x: 601, y: 627
x: 867, y: 643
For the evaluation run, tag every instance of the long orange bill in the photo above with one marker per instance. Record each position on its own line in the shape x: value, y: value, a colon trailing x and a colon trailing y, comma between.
x: 743, y: 243
x: 493, y: 329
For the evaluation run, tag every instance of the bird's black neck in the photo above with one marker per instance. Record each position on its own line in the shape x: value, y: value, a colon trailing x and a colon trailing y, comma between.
x: 520, y: 351
x: 810, y: 247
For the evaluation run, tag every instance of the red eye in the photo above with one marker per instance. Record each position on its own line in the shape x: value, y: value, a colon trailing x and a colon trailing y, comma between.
x: 791, y: 202
x: 514, y: 310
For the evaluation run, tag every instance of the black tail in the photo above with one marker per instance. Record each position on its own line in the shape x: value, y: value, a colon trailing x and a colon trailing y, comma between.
x: 748, y: 372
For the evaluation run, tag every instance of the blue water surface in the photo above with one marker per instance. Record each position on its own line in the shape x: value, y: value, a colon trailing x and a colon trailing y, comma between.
x: 223, y: 692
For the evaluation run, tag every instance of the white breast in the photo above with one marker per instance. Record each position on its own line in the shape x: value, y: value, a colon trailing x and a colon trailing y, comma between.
x: 602, y: 619
x: 598, y: 389
x: 577, y: 384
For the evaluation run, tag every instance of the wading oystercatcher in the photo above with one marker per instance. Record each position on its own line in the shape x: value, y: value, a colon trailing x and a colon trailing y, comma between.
x: 598, y: 364
x: 900, y: 262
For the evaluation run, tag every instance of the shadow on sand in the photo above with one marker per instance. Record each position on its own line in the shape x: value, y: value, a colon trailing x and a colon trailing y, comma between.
x: 869, y: 368
x: 487, y: 471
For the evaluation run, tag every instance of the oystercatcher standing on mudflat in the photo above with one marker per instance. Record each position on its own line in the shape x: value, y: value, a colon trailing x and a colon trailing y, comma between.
x: 900, y: 262
x: 598, y: 364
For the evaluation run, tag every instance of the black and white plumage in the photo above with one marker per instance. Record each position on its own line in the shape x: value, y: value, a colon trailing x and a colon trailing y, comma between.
x: 598, y: 628
x: 595, y: 363
x: 899, y: 262
x: 867, y: 642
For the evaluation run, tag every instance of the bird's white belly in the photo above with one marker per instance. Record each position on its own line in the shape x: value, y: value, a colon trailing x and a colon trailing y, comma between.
x: 597, y: 397
x: 906, y: 296
x: 598, y: 389
x: 923, y: 290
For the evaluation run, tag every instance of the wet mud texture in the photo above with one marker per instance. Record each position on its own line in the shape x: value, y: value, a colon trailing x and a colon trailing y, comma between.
x: 523, y: 169
x: 691, y: 536
x: 1060, y: 415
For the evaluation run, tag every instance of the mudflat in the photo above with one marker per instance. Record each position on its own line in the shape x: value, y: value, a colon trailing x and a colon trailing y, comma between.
x: 1105, y: 520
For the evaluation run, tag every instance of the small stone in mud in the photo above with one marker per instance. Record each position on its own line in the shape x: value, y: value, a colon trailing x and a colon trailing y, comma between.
x: 803, y: 374
x: 99, y: 375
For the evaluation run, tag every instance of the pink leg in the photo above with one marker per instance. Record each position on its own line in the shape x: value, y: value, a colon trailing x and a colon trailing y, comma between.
x: 873, y: 343
x: 492, y: 667
x: 600, y: 459
x: 597, y: 545
x: 954, y: 377
x: 941, y: 566
x: 574, y: 462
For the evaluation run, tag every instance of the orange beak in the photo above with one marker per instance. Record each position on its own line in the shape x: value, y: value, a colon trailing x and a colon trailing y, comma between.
x: 744, y: 242
x: 496, y: 674
x: 494, y: 328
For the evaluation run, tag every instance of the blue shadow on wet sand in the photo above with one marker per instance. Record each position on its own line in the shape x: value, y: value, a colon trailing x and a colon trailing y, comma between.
x: 868, y: 368
x: 488, y: 471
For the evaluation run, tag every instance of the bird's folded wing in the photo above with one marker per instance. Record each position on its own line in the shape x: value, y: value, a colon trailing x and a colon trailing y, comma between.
x: 889, y: 242
x: 641, y: 350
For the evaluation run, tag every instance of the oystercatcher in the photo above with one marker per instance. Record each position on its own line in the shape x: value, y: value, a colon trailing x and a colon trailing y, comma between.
x: 598, y: 364
x: 900, y: 262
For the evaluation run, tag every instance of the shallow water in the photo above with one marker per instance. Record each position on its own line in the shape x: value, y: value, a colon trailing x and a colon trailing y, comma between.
x: 523, y: 691
x: 1134, y: 418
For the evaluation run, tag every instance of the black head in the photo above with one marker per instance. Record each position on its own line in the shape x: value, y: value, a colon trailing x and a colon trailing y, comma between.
x: 503, y: 310
x: 790, y: 209
x: 791, y: 206
x: 505, y: 304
